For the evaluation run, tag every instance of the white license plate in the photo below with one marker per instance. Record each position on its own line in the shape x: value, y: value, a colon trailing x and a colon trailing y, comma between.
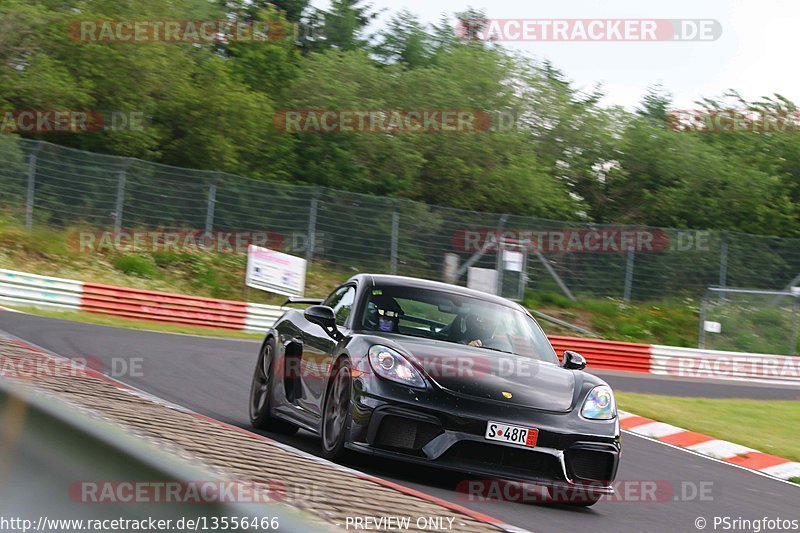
x: 513, y: 434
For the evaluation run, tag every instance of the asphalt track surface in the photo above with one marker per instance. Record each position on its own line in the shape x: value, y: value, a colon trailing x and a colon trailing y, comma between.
x: 212, y: 377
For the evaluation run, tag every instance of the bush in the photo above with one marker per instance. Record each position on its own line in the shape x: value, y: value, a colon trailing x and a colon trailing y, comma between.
x: 136, y: 265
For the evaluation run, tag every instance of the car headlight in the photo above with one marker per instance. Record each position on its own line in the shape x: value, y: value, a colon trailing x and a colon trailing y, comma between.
x: 599, y: 404
x: 389, y: 364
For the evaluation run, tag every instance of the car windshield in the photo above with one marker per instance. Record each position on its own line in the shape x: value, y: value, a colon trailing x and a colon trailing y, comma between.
x: 456, y: 318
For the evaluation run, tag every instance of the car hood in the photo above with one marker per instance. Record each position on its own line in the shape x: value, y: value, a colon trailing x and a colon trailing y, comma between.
x: 487, y: 374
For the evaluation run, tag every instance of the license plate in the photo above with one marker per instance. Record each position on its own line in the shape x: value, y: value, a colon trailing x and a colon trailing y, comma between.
x: 513, y: 434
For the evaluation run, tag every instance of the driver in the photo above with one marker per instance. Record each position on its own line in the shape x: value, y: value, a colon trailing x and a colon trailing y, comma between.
x: 384, y: 314
x: 478, y: 329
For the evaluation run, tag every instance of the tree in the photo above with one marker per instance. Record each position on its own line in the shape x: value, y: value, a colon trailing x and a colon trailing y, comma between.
x: 198, y: 110
x: 655, y: 104
x: 370, y: 162
x: 471, y: 24
x: 675, y: 179
x: 495, y: 168
x: 769, y: 140
x: 573, y: 134
x: 542, y: 145
x: 267, y: 67
x: 293, y: 9
x: 405, y: 40
x: 340, y: 27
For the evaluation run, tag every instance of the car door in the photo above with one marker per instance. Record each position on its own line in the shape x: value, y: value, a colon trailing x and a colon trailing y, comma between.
x: 318, y: 347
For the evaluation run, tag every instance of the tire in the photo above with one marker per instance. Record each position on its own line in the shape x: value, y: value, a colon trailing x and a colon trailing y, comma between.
x: 336, y: 412
x: 261, y: 394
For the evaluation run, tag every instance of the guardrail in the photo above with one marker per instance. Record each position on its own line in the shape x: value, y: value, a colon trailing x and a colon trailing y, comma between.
x: 43, y: 474
x: 608, y: 355
x: 164, y: 307
x: 695, y: 363
x: 20, y: 288
x: 260, y: 317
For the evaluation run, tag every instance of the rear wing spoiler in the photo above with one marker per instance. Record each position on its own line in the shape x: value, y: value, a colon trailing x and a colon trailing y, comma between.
x: 306, y: 301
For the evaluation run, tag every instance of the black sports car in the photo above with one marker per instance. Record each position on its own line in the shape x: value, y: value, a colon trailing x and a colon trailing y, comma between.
x: 440, y: 375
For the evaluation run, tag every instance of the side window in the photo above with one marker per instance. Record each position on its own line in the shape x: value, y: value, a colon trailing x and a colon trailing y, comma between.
x: 341, y: 301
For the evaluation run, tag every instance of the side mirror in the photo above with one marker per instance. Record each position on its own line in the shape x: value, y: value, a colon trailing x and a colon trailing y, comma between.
x: 323, y: 316
x: 574, y: 361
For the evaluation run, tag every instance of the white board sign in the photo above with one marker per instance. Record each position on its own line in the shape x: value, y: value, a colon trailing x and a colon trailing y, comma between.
x: 512, y: 261
x: 482, y: 279
x: 712, y: 327
x: 276, y: 272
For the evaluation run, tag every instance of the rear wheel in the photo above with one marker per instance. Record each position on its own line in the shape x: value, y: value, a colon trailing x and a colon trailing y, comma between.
x: 261, y: 394
x: 336, y: 412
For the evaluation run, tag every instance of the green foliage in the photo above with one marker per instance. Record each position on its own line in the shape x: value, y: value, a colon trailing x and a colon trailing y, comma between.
x: 344, y: 24
x: 54, y: 252
x: 566, y: 156
x: 672, y: 322
x: 751, y: 323
x: 678, y: 180
x: 136, y: 265
x: 535, y: 299
x: 405, y: 40
x: 656, y: 104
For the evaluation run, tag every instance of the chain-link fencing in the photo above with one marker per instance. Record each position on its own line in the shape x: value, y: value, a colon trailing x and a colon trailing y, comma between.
x: 755, y: 321
x: 47, y: 184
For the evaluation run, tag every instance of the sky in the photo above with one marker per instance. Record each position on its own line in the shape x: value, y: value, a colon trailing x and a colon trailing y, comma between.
x: 755, y: 53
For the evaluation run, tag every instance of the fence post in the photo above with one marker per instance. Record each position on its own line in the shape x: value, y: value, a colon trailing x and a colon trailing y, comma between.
x: 629, y: 274
x: 395, y: 239
x: 793, y: 351
x: 498, y: 265
x: 212, y: 202
x: 480, y: 253
x: 31, y: 189
x: 701, y: 336
x: 120, y: 204
x: 312, y: 226
x: 723, y: 262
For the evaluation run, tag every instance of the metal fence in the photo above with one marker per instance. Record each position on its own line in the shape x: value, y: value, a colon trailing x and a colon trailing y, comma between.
x: 756, y: 321
x: 47, y: 184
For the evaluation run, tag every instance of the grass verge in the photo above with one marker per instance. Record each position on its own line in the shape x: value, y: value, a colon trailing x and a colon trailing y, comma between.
x: 769, y: 426
x: 671, y: 321
x: 55, y: 252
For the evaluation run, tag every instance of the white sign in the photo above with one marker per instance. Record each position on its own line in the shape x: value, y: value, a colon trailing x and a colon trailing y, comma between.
x: 276, y: 272
x: 512, y: 261
x: 482, y: 279
x: 796, y: 291
x: 712, y: 327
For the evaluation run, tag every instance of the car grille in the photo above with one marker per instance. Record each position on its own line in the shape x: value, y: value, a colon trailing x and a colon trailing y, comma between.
x: 405, y: 433
x: 590, y: 465
x: 559, y: 441
x: 504, y: 459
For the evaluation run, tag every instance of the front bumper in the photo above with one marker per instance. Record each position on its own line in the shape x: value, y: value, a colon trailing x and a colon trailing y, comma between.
x: 437, y: 428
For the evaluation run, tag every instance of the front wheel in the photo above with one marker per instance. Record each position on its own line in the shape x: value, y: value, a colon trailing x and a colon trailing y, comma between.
x: 261, y: 393
x: 336, y: 412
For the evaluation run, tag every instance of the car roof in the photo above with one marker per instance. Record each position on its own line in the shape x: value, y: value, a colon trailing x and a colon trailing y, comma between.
x: 387, y: 280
